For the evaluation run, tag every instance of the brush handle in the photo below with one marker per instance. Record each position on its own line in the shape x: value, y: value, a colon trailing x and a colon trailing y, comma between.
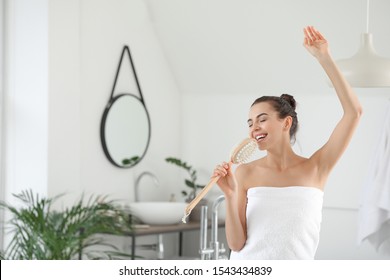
x: 200, y: 195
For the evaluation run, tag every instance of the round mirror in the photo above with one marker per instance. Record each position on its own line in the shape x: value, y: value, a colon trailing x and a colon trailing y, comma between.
x: 125, y: 130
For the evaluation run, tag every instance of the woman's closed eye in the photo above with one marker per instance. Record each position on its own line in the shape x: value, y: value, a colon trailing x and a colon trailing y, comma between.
x: 250, y: 124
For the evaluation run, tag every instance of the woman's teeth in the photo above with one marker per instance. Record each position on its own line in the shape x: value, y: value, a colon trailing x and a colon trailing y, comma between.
x: 260, y: 137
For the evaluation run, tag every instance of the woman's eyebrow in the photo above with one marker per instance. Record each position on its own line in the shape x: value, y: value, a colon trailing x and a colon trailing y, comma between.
x: 257, y: 117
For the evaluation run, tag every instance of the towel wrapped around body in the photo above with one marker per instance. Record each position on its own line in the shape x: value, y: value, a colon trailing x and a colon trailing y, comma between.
x: 283, y: 223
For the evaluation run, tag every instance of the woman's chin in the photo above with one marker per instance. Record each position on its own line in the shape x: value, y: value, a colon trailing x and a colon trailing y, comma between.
x: 262, y: 147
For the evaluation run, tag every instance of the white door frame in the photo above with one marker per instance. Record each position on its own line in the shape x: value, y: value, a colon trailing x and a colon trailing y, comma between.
x: 2, y: 186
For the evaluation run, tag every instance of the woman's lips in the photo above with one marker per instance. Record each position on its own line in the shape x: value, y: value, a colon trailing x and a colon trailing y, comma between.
x: 260, y: 137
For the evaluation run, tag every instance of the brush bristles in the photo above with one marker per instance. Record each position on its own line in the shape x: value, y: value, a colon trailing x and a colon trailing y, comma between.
x: 244, y: 151
x: 184, y: 219
x: 239, y: 155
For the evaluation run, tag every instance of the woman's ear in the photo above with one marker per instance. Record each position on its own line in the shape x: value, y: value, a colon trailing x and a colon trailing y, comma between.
x: 287, y: 123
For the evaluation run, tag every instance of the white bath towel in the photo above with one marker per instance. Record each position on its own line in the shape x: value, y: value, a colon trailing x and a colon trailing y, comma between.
x: 282, y: 223
x: 374, y: 211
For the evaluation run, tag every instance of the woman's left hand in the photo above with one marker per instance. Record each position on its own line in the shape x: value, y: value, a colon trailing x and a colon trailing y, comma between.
x: 314, y: 42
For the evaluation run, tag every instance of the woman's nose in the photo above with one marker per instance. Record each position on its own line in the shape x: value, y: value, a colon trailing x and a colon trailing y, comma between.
x: 255, y: 127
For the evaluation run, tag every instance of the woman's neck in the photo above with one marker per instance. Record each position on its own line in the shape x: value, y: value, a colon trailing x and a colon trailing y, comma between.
x: 281, y: 158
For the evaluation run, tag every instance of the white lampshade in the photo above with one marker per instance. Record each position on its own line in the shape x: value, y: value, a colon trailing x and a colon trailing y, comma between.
x: 366, y: 68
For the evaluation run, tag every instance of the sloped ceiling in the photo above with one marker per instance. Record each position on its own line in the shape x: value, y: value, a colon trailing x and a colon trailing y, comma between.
x: 236, y: 46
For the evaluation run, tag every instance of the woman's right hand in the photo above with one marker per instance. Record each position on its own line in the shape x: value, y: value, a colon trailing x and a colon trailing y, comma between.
x: 315, y: 42
x: 227, y: 181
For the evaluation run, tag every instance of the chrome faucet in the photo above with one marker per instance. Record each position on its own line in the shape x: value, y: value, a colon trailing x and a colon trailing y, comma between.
x: 138, y: 180
x: 213, y: 252
x: 160, y: 244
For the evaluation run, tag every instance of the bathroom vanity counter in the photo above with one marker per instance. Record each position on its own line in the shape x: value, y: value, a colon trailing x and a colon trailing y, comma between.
x: 140, y: 230
x: 162, y: 229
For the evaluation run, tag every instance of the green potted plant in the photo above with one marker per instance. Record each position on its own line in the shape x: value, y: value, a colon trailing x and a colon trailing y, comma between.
x: 190, y: 183
x: 39, y: 232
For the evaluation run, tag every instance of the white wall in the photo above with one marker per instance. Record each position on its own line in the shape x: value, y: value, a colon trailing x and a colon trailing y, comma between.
x: 255, y: 46
x: 59, y: 83
x: 86, y: 40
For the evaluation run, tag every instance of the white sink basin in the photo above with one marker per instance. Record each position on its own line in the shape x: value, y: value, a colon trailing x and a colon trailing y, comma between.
x: 158, y: 213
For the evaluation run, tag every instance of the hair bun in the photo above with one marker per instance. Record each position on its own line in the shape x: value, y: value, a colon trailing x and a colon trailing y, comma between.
x: 290, y: 100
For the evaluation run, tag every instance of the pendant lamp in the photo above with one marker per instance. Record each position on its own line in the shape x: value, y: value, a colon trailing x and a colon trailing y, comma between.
x: 366, y: 68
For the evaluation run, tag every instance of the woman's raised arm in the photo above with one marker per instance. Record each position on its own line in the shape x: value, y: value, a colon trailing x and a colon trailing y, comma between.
x: 328, y: 155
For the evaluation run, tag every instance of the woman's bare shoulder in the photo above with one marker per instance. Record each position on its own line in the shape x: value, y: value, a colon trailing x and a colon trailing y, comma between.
x: 246, y: 171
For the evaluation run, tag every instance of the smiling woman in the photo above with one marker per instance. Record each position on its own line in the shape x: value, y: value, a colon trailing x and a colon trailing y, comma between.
x: 284, y: 105
x: 274, y: 204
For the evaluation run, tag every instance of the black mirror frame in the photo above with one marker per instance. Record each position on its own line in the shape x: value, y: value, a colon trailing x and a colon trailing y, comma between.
x: 111, y: 102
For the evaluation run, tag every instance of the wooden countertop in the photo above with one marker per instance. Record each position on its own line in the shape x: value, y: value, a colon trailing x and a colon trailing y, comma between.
x: 158, y: 229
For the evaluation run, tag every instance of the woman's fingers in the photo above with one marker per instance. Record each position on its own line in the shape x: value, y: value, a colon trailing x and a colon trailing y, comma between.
x: 318, y: 34
x: 221, y: 169
x: 312, y: 34
x: 308, y: 41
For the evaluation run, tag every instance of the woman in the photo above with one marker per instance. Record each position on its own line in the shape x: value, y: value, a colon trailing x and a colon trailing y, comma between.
x: 274, y: 204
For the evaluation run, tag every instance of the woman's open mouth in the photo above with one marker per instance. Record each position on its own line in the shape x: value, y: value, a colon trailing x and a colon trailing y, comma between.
x: 260, y: 137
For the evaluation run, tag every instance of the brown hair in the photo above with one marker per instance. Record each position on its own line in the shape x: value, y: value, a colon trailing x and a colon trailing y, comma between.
x: 285, y: 106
